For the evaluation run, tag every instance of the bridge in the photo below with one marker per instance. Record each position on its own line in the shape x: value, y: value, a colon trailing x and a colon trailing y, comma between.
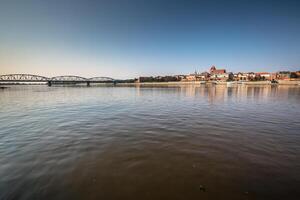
x: 30, y: 78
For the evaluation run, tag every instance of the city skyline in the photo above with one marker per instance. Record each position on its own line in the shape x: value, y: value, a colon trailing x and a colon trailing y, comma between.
x: 127, y: 39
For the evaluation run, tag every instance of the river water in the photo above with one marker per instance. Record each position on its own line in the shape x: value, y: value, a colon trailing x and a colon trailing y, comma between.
x: 181, y: 142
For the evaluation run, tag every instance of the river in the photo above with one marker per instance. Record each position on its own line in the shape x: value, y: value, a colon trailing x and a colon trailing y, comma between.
x: 181, y: 142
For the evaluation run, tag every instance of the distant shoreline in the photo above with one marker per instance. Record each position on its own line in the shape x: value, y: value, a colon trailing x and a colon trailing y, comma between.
x: 182, y: 83
x: 280, y: 82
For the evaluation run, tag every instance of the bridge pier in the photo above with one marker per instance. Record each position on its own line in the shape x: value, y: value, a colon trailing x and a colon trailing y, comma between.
x: 49, y: 83
x: 88, y: 83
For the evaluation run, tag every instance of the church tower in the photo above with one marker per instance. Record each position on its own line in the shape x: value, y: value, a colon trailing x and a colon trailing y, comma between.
x: 213, y: 68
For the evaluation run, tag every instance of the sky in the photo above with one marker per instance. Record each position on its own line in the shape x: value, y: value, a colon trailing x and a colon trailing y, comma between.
x: 131, y: 38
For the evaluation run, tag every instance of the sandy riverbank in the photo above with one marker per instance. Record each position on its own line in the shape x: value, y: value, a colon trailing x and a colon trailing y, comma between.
x: 201, y: 82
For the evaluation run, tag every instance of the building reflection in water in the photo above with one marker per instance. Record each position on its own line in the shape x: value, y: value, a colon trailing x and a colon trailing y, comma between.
x: 215, y: 94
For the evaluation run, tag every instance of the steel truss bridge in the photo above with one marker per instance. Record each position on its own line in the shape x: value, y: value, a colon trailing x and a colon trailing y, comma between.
x: 30, y: 78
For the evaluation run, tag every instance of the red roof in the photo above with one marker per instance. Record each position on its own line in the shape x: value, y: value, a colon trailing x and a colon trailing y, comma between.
x: 219, y: 71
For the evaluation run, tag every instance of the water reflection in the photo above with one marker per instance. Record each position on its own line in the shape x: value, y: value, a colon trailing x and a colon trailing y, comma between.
x: 221, y: 93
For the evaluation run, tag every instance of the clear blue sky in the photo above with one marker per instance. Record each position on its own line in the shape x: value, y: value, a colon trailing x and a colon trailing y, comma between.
x: 128, y: 38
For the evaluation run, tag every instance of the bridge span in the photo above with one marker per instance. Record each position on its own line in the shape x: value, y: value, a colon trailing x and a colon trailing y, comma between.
x: 30, y: 78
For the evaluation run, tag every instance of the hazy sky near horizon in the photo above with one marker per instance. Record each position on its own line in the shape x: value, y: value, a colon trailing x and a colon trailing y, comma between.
x: 128, y: 38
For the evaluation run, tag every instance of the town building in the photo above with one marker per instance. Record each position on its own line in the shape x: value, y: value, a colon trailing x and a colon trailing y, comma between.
x: 283, y: 75
x: 203, y: 76
x: 219, y: 74
x: 241, y: 76
x: 264, y: 75
x: 180, y: 77
x: 191, y: 77
x: 214, y: 70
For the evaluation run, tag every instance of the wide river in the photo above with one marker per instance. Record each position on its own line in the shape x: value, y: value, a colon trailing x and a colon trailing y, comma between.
x: 181, y: 142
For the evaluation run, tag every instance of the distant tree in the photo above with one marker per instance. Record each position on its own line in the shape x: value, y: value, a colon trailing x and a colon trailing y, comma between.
x: 293, y: 75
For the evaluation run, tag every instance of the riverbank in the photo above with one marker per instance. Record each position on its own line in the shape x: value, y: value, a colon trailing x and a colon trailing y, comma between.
x: 280, y: 82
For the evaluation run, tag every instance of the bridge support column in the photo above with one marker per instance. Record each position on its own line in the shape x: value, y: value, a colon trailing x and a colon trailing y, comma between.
x: 88, y: 84
x: 49, y: 83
